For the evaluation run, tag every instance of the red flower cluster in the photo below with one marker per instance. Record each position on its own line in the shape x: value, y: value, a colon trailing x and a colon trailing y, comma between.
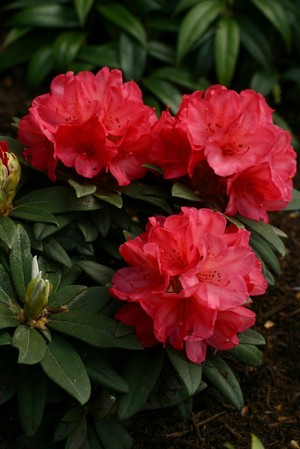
x: 230, y: 148
x: 188, y: 280
x: 91, y: 123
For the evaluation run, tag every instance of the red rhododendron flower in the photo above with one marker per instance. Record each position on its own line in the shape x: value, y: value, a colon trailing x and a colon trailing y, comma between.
x: 231, y: 150
x: 191, y: 275
x: 92, y: 123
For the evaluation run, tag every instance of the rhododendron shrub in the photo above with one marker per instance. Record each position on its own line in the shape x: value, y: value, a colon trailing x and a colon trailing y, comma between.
x: 91, y: 123
x: 227, y: 141
x: 189, y: 280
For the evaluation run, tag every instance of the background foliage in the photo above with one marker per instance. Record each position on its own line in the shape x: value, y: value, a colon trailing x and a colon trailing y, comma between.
x: 167, y: 46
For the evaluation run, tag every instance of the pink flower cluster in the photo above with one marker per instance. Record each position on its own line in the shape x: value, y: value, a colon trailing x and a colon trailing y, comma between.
x: 188, y: 281
x: 231, y: 150
x: 225, y: 144
x: 92, y: 123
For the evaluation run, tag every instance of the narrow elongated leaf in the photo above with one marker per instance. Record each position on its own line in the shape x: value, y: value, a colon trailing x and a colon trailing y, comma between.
x: 100, y: 273
x: 255, y: 41
x: 178, y: 76
x: 99, y: 55
x: 265, y: 252
x: 189, y: 372
x: 7, y: 380
x: 20, y: 260
x: 181, y: 190
x: 32, y: 390
x: 65, y: 295
x: 30, y: 343
x: 166, y: 92
x: 68, y: 423
x: 124, y: 19
x: 195, y: 24
x: 221, y: 376
x: 82, y: 189
x: 89, y: 231
x: 83, y: 8
x: 7, y: 231
x: 264, y: 81
x: 274, y: 11
x: 53, y: 15
x: 227, y: 43
x: 248, y: 354
x: 5, y: 338
x: 66, y: 47
x: 132, y: 57
x: 251, y: 337
x: 64, y: 366
x: 7, y: 317
x: 7, y: 293
x: 54, y: 251
x: 30, y: 212
x: 41, y: 230
x: 101, y: 220
x: 256, y: 443
x: 40, y: 65
x: 162, y: 51
x: 78, y: 436
x: 109, y: 196
x: 113, y: 434
x: 141, y: 372
x: 295, y: 202
x: 93, y: 301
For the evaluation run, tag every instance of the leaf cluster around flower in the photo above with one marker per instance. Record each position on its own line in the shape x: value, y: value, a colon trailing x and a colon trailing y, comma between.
x: 224, y: 144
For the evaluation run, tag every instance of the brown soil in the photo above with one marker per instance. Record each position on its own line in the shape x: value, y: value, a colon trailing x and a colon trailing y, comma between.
x: 272, y: 391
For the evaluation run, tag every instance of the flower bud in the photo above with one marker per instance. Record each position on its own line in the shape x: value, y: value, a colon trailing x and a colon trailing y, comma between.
x: 10, y: 173
x: 36, y: 294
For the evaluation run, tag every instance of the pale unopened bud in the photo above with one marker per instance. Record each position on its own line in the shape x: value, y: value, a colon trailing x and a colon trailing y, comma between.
x: 36, y: 294
x: 10, y: 174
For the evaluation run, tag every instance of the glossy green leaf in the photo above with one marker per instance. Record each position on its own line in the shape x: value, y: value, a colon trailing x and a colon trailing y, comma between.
x: 30, y: 344
x: 140, y: 372
x: 97, y: 330
x: 31, y: 397
x: 267, y: 231
x: 120, y: 16
x: 100, y: 273
x: 227, y: 44
x: 265, y: 252
x: 66, y: 295
x: 221, y: 376
x: 251, y: 337
x: 166, y: 92
x: 30, y: 212
x: 132, y: 57
x: 59, y: 199
x: 248, y: 354
x: 189, y: 372
x: 7, y: 317
x: 5, y: 338
x: 66, y: 47
x: 294, y: 204
x: 64, y: 366
x: 184, y: 4
x: 42, y: 230
x: 87, y: 228
x: 275, y: 12
x: 101, y: 220
x: 53, y: 15
x: 7, y: 231
x: 68, y: 423
x: 99, y: 55
x: 195, y: 23
x: 256, y: 43
x: 83, y: 8
x: 82, y: 189
x: 149, y: 193
x: 264, y: 81
x: 94, y: 300
x: 109, y: 196
x: 113, y: 434
x: 162, y: 51
x: 20, y: 260
x: 40, y: 65
x: 54, y: 251
x: 7, y: 292
x: 256, y: 443
x: 77, y: 438
x: 178, y: 76
x: 180, y: 190
x: 101, y: 372
x: 15, y: 34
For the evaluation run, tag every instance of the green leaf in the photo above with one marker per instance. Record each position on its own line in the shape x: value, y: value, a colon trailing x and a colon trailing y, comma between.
x: 113, y: 434
x: 251, y: 337
x: 53, y: 15
x: 97, y: 330
x: 40, y: 65
x: 30, y: 212
x: 189, y: 372
x: 294, y: 204
x: 59, y: 199
x: 168, y: 94
x: 161, y: 51
x: 195, y: 23
x: 31, y: 396
x: 5, y: 338
x: 68, y: 423
x: 98, y: 272
x: 255, y: 41
x: 30, y: 343
x: 66, y: 295
x: 180, y: 190
x: 94, y: 300
x: 7, y: 375
x: 140, y: 372
x: 109, y: 196
x: 132, y: 57
x: 101, y: 220
x: 267, y: 231
x: 93, y: 439
x: 265, y: 252
x: 124, y: 19
x: 221, y: 376
x: 99, y: 55
x: 7, y: 293
x: 66, y: 47
x: 83, y: 8
x: 274, y: 11
x: 42, y: 230
x: 227, y: 44
x: 78, y: 436
x: 150, y: 193
x: 248, y: 354
x: 178, y: 76
x: 54, y: 251
x: 87, y: 228
x: 20, y: 260
x: 64, y: 366
x: 7, y: 317
x: 184, y: 4
x: 263, y: 81
x: 7, y: 232
x: 82, y: 189
x: 101, y: 372
x: 256, y: 443
x: 15, y: 34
